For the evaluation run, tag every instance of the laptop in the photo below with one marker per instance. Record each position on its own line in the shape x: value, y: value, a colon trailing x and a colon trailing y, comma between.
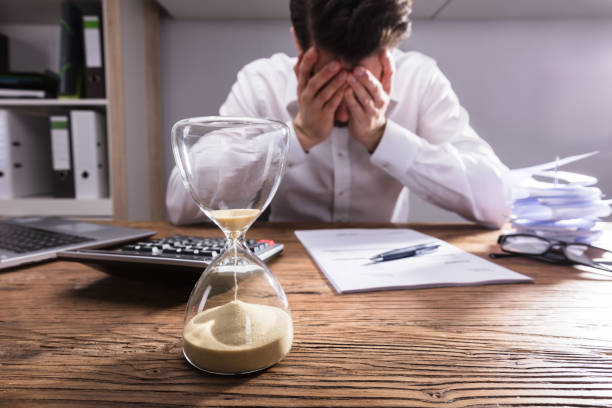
x: 32, y: 239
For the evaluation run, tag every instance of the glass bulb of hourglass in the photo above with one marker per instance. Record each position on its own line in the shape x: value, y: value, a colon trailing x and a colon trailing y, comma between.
x: 237, y: 318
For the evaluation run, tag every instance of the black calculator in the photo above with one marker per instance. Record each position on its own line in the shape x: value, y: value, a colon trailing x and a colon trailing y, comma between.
x: 179, y: 257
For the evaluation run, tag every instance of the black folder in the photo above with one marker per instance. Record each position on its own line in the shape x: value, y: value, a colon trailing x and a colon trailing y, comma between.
x: 4, y: 53
x: 72, y: 61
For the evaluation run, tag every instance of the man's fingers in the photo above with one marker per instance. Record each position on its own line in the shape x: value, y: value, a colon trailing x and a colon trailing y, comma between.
x: 332, y: 104
x: 361, y: 94
x: 322, y: 77
x: 388, y: 71
x: 354, y: 107
x: 297, y: 64
x: 371, y: 85
x: 305, y: 68
x: 330, y: 89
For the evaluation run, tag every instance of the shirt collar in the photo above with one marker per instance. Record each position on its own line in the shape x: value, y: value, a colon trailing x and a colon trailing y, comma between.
x: 291, y: 91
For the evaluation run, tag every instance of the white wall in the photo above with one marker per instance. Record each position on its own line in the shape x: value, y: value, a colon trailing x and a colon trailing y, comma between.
x: 534, y: 89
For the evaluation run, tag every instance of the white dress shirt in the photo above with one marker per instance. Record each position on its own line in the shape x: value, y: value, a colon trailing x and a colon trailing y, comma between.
x: 428, y: 147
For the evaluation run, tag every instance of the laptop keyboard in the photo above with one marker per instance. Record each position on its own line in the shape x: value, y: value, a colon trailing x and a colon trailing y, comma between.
x: 187, y: 247
x: 21, y: 239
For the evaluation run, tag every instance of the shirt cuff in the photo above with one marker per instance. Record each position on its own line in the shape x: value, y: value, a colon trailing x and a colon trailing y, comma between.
x: 296, y: 153
x: 397, y: 150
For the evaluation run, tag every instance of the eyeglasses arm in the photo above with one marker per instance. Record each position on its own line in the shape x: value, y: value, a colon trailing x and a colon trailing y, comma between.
x: 502, y: 255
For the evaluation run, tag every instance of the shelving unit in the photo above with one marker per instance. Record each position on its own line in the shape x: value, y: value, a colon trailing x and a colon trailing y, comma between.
x: 14, y: 19
x: 131, y: 31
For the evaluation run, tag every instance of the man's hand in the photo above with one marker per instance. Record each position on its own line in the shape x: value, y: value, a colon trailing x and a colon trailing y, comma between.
x: 318, y: 98
x: 367, y: 100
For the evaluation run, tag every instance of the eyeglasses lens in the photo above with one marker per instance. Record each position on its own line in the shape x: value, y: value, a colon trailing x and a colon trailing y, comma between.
x: 589, y: 255
x: 523, y: 244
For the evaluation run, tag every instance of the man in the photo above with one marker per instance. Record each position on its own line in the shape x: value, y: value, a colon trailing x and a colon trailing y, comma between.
x: 369, y: 123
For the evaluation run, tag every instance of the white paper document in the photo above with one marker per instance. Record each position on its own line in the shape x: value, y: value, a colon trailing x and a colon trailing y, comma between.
x: 343, y: 255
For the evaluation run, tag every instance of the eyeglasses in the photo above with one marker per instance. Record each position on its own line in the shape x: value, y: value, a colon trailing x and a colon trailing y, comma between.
x: 554, y: 251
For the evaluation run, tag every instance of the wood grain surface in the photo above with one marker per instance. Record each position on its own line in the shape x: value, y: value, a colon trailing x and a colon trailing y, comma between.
x: 71, y: 336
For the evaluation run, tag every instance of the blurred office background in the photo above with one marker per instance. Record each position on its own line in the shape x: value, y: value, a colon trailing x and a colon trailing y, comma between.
x: 535, y: 75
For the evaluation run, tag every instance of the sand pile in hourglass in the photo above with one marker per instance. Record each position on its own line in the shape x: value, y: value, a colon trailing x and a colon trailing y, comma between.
x: 238, y: 337
x: 234, y: 220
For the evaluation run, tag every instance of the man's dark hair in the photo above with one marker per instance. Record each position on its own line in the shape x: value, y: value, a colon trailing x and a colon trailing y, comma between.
x: 350, y: 29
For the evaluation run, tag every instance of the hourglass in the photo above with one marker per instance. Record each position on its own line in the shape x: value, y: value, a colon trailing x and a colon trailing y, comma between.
x: 237, y: 318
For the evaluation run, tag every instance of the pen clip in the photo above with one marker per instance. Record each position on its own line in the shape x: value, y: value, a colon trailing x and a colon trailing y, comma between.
x: 407, y: 249
x: 426, y: 250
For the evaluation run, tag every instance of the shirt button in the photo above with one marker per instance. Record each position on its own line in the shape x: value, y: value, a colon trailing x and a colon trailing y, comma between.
x: 340, y: 154
x: 341, y: 193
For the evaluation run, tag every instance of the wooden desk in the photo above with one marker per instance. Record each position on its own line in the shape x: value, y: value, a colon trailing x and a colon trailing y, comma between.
x: 71, y: 336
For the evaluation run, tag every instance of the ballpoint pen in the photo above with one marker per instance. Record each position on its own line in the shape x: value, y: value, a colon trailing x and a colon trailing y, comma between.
x: 414, y: 250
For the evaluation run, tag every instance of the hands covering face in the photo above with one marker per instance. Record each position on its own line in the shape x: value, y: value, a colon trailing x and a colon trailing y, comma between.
x: 367, y: 100
x: 320, y: 96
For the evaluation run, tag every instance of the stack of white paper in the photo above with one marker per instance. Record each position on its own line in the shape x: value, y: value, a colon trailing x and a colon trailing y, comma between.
x: 566, y: 206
